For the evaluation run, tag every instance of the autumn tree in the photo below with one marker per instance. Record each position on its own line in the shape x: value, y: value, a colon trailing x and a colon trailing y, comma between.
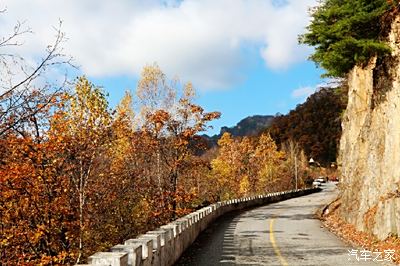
x: 268, y: 162
x: 37, y: 220
x: 127, y: 174
x: 84, y: 124
x: 34, y: 220
x: 247, y: 166
x: 173, y: 120
x: 224, y: 175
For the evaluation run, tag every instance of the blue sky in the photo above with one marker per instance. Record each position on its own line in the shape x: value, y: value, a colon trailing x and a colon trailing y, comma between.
x: 242, y: 56
x: 262, y: 92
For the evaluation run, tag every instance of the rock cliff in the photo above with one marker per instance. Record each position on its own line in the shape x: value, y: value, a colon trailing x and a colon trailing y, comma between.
x: 369, y: 156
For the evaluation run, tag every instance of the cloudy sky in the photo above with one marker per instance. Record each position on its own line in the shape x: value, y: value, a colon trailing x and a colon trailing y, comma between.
x: 241, y: 55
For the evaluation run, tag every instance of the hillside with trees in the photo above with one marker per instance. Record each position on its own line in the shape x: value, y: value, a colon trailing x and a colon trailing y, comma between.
x: 315, y: 125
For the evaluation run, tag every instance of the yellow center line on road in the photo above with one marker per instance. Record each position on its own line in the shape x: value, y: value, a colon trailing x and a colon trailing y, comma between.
x: 274, y: 245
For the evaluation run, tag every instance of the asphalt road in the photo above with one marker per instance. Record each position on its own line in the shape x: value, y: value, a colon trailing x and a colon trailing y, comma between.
x: 284, y: 233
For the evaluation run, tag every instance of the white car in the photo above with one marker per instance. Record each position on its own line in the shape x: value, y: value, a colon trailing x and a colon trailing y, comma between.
x: 321, y: 179
x: 316, y: 183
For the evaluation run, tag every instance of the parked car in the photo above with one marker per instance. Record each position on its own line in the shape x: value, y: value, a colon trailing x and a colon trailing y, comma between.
x: 316, y: 183
x: 321, y: 179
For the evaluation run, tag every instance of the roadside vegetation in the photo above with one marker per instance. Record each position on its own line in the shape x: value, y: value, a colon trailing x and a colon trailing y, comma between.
x: 77, y: 176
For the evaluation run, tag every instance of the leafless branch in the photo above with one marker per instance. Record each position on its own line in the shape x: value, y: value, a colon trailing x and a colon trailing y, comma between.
x: 10, y: 40
x: 15, y: 96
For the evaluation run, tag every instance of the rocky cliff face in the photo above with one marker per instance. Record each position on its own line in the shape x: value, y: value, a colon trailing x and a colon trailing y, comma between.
x: 370, y: 145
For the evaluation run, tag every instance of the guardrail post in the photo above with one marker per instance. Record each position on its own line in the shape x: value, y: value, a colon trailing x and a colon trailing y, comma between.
x: 134, y: 253
x: 109, y: 258
x: 147, y: 249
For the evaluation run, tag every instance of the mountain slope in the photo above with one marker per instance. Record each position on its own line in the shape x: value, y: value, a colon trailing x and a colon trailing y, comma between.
x: 315, y: 125
x: 249, y: 126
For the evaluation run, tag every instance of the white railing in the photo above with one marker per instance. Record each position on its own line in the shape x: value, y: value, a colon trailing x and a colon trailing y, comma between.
x: 165, y: 245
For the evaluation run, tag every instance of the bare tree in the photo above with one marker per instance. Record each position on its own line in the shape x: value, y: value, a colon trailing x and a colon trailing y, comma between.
x: 296, y: 159
x: 24, y: 87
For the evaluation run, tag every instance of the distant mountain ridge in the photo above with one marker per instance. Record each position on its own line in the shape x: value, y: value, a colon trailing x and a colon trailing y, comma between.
x: 249, y: 126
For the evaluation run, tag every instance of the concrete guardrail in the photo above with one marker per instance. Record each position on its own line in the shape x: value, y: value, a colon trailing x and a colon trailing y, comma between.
x: 165, y: 245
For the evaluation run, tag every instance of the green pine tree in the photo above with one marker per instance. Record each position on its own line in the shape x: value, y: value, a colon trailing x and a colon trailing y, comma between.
x: 345, y: 33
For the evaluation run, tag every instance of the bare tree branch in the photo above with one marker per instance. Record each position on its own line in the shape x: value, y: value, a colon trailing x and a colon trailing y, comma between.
x: 20, y: 81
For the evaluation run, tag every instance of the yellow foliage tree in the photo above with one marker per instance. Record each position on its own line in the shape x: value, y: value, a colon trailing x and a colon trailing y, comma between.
x: 268, y: 160
x: 246, y: 166
x: 85, y: 125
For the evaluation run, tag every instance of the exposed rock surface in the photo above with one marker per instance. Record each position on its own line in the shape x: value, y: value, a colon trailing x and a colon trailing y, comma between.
x: 370, y: 144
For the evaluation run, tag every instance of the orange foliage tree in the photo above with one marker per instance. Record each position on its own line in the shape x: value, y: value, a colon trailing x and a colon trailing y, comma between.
x: 38, y: 221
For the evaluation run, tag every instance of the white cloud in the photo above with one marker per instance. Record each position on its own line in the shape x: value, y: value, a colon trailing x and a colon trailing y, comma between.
x: 198, y: 40
x: 303, y: 92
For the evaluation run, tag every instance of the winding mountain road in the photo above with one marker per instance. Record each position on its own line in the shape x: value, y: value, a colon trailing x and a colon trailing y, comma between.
x: 283, y: 233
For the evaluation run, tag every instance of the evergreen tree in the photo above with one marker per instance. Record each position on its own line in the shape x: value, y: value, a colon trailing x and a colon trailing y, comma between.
x: 345, y: 33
